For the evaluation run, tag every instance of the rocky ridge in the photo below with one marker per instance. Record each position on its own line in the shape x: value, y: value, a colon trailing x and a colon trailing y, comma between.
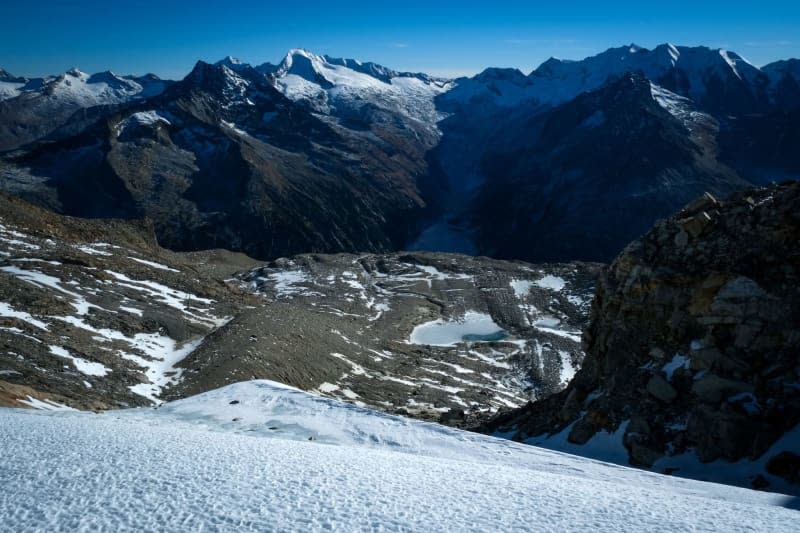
x: 692, y: 346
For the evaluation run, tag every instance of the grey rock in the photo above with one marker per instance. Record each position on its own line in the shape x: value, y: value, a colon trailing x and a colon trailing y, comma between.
x: 661, y: 389
x: 583, y: 430
x: 712, y: 388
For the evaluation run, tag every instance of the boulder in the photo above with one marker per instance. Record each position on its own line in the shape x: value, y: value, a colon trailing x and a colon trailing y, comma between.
x: 712, y: 388
x: 583, y: 430
x: 785, y: 465
x: 661, y: 389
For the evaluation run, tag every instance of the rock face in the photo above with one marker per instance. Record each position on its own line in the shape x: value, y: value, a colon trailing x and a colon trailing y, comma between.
x: 435, y: 336
x: 693, y: 341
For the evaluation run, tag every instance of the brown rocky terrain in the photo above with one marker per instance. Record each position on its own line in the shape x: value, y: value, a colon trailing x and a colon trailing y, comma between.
x: 692, y: 346
x: 441, y: 337
x: 94, y: 314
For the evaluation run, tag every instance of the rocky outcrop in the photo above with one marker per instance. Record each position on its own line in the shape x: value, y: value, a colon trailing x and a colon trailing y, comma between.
x: 693, y: 342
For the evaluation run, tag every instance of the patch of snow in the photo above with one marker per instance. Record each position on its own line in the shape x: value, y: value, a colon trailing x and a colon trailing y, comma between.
x: 45, y: 405
x: 521, y: 287
x: 550, y: 324
x: 327, y: 388
x: 81, y: 365
x: 748, y: 401
x: 185, y: 302
x: 8, y: 311
x: 554, y: 283
x: 603, y: 446
x: 93, y: 250
x: 678, y: 361
x: 131, y: 310
x: 288, y: 283
x: 153, y: 264
x: 568, y: 370
x: 162, y: 354
x: 41, y: 279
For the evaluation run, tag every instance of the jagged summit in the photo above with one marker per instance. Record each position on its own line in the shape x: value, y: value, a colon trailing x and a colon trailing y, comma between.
x: 75, y: 72
x: 6, y: 76
x: 233, y: 63
x: 304, y: 64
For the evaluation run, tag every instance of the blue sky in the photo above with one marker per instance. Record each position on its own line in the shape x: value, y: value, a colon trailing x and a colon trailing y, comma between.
x: 441, y: 37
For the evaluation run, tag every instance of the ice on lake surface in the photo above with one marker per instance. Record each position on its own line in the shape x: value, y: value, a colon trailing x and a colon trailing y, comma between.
x: 472, y: 327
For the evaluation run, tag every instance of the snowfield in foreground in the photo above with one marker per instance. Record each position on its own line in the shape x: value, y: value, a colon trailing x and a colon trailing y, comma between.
x: 262, y: 456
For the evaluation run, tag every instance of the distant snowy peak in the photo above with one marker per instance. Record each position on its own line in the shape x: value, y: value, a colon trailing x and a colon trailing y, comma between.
x: 233, y: 63
x: 7, y: 76
x: 343, y: 87
x: 77, y: 88
x: 653, y: 62
x: 10, y: 85
x: 222, y: 82
x: 698, y: 73
x: 314, y: 67
x: 304, y: 64
x: 102, y: 88
x: 690, y: 70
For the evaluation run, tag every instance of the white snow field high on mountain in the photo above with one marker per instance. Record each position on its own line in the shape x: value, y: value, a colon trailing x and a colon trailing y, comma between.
x: 261, y: 456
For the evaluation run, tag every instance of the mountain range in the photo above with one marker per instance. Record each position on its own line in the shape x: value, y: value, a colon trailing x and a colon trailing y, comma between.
x: 323, y: 154
x: 125, y: 201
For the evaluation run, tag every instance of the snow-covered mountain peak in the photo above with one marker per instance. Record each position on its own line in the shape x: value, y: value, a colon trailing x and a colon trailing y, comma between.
x: 230, y: 60
x: 75, y: 72
x: 233, y: 63
x: 343, y: 86
x: 734, y: 61
x: 205, y: 72
x: 303, y: 63
x: 113, y: 80
x: 6, y: 76
x: 224, y: 83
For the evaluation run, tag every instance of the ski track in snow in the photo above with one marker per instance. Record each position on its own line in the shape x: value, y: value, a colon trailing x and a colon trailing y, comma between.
x: 188, y: 466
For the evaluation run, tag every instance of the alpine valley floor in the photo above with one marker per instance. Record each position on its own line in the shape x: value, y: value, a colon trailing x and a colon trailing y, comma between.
x: 260, y: 456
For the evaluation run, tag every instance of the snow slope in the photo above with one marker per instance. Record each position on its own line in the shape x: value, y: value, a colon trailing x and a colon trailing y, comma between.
x: 240, y: 458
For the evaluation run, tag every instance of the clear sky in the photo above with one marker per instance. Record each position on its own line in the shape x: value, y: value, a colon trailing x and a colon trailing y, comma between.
x: 441, y: 37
